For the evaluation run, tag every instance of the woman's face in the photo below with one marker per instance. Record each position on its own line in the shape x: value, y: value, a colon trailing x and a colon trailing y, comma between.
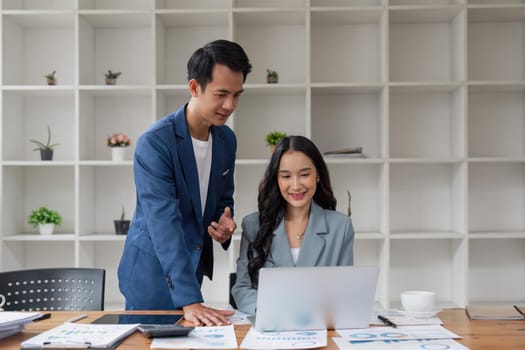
x: 297, y: 179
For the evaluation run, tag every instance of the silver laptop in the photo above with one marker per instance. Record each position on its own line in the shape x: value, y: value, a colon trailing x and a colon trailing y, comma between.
x: 310, y: 298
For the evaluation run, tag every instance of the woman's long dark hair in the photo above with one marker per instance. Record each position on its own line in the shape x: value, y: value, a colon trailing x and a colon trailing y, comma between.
x: 272, y: 205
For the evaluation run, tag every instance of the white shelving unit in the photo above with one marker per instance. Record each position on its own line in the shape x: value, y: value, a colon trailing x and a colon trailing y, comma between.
x: 434, y: 91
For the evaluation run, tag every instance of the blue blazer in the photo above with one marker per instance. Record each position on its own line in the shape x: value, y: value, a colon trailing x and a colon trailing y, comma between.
x: 168, y: 249
x: 328, y: 241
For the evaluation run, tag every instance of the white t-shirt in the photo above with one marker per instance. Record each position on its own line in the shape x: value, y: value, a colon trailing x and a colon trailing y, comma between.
x: 295, y: 254
x: 202, y: 151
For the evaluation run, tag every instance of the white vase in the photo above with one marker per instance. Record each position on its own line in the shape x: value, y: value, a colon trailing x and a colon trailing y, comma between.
x: 46, y: 229
x: 118, y: 153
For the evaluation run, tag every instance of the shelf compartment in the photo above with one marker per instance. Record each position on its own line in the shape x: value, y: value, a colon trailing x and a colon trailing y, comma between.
x: 102, y: 193
x: 191, y: 4
x: 255, y: 4
x: 348, y: 119
x: 427, y: 124
x: 257, y: 115
x: 496, y: 271
x: 496, y: 44
x: 496, y: 197
x: 437, y: 265
x: 273, y: 40
x: 38, y: 5
x: 178, y: 35
x: 26, y: 116
x: 107, y: 41
x: 169, y: 101
x: 316, y: 4
x: 26, y: 54
x: 496, y: 123
x: 105, y: 256
x: 427, y: 198
x: 23, y: 191
x: 366, y: 183
x: 101, y: 116
x: 216, y: 292
x: 421, y: 3
x: 427, y: 44
x: 37, y: 255
x: 354, y: 54
x: 371, y: 253
x: 247, y: 179
x: 114, y: 5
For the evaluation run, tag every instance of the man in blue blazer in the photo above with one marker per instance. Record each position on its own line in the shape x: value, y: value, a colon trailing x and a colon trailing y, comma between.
x: 183, y: 168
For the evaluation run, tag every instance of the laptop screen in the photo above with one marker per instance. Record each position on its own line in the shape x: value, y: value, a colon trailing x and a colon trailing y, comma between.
x: 309, y: 298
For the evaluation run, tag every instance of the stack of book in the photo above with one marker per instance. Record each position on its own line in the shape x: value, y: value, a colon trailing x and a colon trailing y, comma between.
x: 12, y: 322
x: 352, y: 152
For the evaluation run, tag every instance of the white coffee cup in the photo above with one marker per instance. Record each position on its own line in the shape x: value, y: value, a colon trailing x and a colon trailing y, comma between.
x: 2, y: 301
x: 418, y: 300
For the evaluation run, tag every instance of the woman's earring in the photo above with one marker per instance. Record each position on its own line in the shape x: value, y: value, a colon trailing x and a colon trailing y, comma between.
x: 318, y: 178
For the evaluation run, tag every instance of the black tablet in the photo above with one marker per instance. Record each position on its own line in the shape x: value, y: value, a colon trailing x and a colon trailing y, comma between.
x: 150, y: 325
x: 143, y: 319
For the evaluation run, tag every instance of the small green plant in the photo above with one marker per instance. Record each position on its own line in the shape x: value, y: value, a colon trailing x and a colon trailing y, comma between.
x: 274, y: 137
x: 43, y: 215
x: 47, y: 145
x: 271, y: 76
x: 51, y: 76
x: 112, y: 75
x: 122, y: 214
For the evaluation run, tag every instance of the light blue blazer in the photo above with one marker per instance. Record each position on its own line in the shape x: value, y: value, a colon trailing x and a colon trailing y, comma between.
x: 328, y: 241
x: 168, y: 249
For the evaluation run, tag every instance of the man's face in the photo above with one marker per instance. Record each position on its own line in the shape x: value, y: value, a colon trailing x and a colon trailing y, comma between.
x: 218, y: 100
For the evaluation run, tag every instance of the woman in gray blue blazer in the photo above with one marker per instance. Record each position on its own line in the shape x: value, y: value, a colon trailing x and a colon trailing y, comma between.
x: 296, y: 224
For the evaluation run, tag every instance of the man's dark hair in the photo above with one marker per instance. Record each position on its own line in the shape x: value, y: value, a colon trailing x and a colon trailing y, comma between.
x: 228, y: 53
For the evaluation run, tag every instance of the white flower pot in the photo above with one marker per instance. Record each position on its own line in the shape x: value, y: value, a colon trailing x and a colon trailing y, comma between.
x: 46, y: 229
x: 118, y: 153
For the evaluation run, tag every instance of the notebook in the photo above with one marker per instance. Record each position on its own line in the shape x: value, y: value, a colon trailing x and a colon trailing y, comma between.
x: 313, y: 298
x: 506, y: 312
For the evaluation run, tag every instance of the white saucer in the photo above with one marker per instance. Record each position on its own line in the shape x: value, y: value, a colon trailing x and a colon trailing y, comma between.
x: 419, y: 314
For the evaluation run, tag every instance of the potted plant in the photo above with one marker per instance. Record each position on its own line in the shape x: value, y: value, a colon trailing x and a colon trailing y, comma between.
x: 118, y: 142
x: 122, y: 225
x: 51, y: 80
x: 45, y: 219
x: 46, y: 150
x: 272, y: 77
x: 111, y: 77
x: 273, y: 138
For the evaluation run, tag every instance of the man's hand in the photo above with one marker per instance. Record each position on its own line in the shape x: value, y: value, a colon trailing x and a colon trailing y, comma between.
x: 224, y: 229
x: 202, y: 315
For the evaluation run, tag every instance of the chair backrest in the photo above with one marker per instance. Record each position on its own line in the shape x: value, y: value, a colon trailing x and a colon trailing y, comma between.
x: 233, y: 278
x: 53, y: 289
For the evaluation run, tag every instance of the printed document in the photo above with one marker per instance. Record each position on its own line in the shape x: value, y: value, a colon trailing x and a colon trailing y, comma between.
x: 284, y: 340
x: 221, y: 337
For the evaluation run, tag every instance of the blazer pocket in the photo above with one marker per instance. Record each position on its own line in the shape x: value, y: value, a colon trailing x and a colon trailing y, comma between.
x: 225, y: 172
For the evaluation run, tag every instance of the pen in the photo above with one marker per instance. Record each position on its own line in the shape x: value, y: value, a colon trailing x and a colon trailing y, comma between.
x: 387, y: 321
x: 43, y: 317
x: 63, y: 345
x: 518, y: 309
x: 77, y: 318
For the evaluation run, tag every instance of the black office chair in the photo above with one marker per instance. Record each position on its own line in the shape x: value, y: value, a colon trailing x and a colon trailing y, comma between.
x: 53, y: 289
x: 233, y: 278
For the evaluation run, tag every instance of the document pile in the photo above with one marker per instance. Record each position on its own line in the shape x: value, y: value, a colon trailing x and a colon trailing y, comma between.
x: 80, y: 336
x: 12, y: 322
x: 404, y: 331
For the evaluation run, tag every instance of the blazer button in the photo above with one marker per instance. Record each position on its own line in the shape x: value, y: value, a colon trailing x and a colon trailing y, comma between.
x: 198, y: 246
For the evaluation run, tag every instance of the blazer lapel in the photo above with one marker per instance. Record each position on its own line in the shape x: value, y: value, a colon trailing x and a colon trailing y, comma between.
x: 187, y: 162
x: 314, y: 239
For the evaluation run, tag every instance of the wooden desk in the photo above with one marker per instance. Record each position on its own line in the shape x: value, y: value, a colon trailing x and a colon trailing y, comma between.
x: 477, y: 334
